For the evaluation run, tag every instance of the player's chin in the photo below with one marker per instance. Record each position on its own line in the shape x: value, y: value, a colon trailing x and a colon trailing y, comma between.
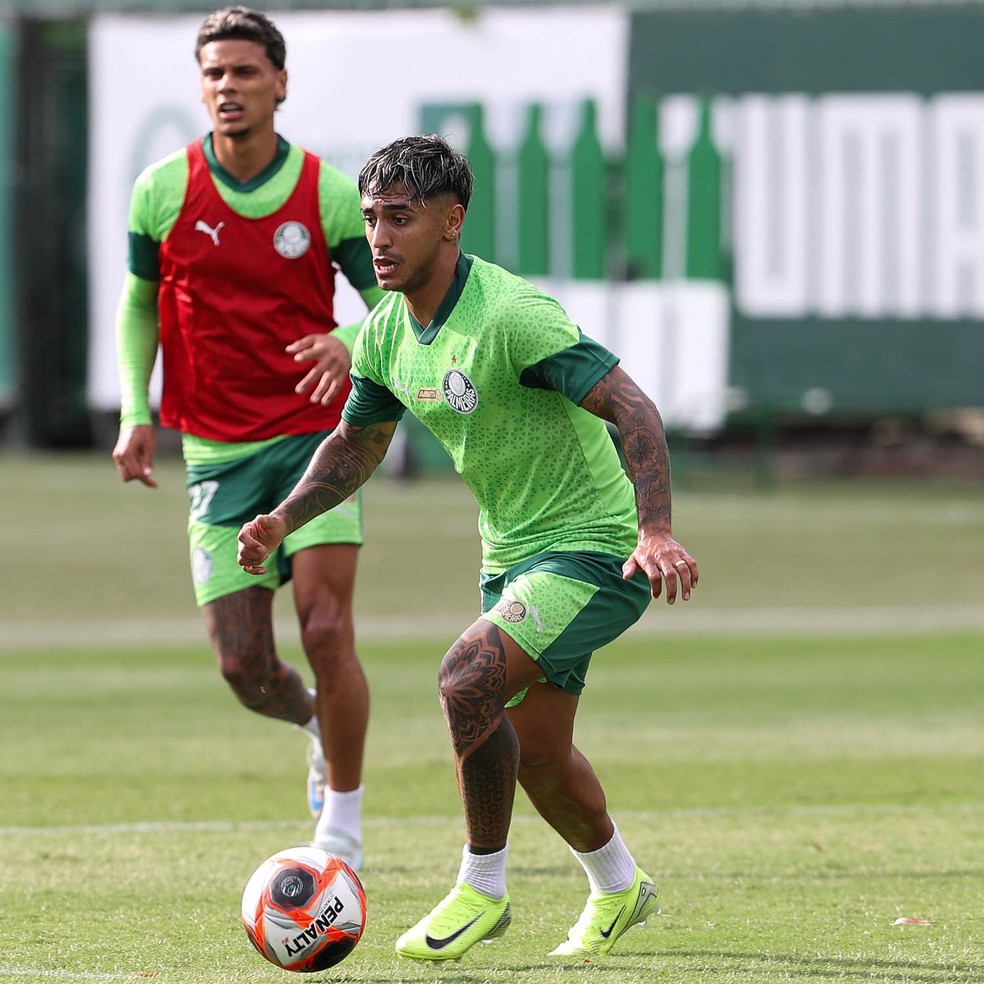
x: 388, y: 277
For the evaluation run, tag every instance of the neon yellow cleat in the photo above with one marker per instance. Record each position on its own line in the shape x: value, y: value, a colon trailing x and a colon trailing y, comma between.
x: 607, y: 916
x: 464, y: 918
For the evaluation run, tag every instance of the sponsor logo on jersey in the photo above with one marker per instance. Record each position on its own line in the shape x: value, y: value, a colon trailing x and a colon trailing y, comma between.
x: 201, y: 565
x: 511, y: 610
x: 429, y: 394
x: 459, y: 391
x: 292, y: 240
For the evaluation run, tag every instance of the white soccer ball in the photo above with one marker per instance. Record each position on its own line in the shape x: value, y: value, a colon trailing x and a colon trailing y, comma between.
x: 304, y: 909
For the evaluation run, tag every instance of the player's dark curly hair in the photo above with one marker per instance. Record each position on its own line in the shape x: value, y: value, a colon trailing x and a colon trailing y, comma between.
x: 426, y: 166
x: 241, y: 23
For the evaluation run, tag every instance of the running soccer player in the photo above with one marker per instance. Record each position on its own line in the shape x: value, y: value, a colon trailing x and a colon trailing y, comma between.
x: 232, y: 244
x: 572, y: 548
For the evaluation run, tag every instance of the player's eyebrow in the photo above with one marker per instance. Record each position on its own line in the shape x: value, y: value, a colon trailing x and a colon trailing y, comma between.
x: 388, y: 207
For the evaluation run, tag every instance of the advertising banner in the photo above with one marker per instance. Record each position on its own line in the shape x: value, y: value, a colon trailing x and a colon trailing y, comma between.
x: 852, y: 147
x: 356, y: 81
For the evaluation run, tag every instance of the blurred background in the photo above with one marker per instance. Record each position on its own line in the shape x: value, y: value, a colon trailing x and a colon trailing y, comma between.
x: 772, y: 211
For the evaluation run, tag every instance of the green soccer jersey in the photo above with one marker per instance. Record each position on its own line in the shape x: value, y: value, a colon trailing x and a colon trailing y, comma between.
x: 497, y: 377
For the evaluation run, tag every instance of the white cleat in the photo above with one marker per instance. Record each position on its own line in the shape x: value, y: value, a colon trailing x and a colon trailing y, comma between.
x: 316, y: 777
x: 342, y: 846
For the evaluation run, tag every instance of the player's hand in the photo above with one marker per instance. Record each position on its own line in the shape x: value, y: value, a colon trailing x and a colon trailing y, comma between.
x: 661, y: 558
x: 331, y: 365
x: 257, y: 540
x: 134, y: 454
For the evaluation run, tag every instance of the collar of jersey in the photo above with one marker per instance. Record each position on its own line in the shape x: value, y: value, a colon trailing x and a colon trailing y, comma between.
x: 221, y: 174
x: 427, y: 335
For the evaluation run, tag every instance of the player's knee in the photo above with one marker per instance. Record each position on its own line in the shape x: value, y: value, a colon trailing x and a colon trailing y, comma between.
x: 544, y: 762
x: 249, y: 680
x: 532, y: 777
x: 470, y: 705
x: 322, y: 636
x: 531, y: 764
x: 537, y: 764
x: 449, y: 683
x: 327, y: 642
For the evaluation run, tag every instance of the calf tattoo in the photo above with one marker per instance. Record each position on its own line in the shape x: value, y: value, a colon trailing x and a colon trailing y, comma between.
x: 472, y: 686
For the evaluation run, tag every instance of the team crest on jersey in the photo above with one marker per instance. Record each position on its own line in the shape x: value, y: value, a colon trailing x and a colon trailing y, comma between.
x: 292, y: 240
x: 510, y: 610
x: 460, y: 391
x: 201, y: 565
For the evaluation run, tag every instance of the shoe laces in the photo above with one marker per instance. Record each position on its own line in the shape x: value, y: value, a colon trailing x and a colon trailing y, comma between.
x: 597, y: 903
x: 459, y: 902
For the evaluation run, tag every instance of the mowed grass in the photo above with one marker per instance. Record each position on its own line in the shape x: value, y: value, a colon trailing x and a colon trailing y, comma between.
x: 794, y: 793
x: 82, y: 549
x: 792, y: 797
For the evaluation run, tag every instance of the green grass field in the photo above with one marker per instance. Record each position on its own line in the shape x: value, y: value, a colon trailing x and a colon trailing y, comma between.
x: 796, y: 756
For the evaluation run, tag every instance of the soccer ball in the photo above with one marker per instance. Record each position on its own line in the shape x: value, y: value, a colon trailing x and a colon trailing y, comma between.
x: 304, y: 909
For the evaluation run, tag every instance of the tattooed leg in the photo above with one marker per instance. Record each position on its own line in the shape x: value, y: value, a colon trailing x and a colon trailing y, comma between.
x: 240, y: 626
x: 480, y: 672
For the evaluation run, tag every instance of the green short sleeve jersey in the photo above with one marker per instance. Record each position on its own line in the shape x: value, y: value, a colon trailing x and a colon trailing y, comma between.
x: 497, y: 378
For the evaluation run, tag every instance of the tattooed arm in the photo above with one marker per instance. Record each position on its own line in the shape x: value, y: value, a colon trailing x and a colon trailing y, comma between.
x: 617, y: 399
x: 342, y: 463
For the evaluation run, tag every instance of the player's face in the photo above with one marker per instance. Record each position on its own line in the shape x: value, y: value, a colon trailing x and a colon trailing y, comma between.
x: 241, y: 87
x: 406, y: 237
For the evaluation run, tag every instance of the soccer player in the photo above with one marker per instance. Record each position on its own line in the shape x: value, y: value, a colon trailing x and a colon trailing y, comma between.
x: 232, y: 244
x: 572, y: 549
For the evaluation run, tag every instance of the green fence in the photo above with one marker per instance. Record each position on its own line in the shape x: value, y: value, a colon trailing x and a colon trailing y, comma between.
x: 858, y: 339
x: 898, y: 91
x: 609, y: 205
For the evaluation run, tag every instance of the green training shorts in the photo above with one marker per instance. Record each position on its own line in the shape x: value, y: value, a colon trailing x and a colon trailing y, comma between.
x: 561, y: 607
x: 226, y: 495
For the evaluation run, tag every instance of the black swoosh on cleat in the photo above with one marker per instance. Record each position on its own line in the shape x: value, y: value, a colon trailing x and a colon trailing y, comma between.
x: 441, y: 944
x: 605, y: 933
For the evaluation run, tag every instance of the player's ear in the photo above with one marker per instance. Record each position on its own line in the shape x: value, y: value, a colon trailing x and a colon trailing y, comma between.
x: 454, y: 221
x: 281, y: 85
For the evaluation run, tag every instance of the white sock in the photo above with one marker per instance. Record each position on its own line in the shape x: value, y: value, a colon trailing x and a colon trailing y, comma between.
x: 342, y: 812
x: 486, y: 873
x: 313, y: 727
x: 609, y: 869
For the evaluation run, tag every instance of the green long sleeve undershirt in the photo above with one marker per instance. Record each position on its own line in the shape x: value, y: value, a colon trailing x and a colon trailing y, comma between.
x: 136, y: 347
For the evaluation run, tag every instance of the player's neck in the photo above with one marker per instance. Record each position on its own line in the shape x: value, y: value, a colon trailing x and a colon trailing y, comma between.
x: 245, y: 156
x: 424, y: 301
